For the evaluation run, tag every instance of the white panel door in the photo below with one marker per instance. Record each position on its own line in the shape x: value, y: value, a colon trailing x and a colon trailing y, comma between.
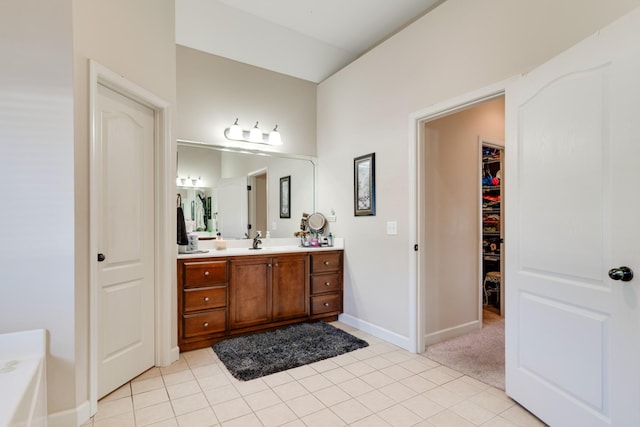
x: 126, y: 324
x: 233, y: 210
x: 573, y: 213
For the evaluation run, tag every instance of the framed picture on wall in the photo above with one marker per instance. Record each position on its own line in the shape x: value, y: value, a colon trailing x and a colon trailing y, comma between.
x: 285, y: 197
x: 364, y: 185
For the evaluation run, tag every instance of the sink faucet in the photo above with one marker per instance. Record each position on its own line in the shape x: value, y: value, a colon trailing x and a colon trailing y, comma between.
x: 257, y: 241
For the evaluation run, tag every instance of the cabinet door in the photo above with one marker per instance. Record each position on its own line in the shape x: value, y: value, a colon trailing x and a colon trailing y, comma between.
x: 249, y: 292
x: 290, y: 287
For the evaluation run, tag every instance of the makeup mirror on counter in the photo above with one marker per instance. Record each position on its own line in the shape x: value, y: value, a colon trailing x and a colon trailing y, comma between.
x: 235, y: 192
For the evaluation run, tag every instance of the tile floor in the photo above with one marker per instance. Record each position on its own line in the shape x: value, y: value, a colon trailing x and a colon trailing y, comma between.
x: 380, y: 385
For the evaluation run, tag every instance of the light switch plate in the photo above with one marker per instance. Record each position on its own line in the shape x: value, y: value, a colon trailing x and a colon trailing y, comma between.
x: 392, y: 228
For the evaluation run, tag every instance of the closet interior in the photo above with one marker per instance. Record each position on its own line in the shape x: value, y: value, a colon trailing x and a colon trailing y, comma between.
x: 492, y: 227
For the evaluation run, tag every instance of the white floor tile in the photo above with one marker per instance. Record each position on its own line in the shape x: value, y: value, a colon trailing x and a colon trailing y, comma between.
x: 351, y: 411
x: 154, y: 414
x: 276, y: 415
x: 380, y: 385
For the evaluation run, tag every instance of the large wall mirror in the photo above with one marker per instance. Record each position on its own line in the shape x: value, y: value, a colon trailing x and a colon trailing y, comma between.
x: 236, y: 193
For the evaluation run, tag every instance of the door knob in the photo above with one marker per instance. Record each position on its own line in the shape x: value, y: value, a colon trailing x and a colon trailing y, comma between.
x: 623, y: 273
x: 101, y: 257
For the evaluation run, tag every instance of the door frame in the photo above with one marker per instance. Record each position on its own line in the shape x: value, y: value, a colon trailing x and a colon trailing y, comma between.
x: 166, y: 349
x: 417, y: 201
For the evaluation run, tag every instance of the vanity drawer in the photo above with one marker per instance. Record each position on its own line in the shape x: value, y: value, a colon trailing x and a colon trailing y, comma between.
x: 205, y: 298
x: 204, y: 273
x: 325, y: 262
x: 328, y: 303
x: 204, y: 323
x: 323, y: 283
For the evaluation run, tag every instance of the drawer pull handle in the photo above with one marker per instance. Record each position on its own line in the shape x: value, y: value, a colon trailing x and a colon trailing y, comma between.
x: 327, y: 283
x: 326, y: 263
x: 206, y: 273
x: 326, y: 304
x: 206, y: 299
x: 205, y: 324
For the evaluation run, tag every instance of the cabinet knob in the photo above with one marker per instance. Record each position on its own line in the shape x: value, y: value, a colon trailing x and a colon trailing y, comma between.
x: 326, y: 263
x: 276, y: 264
x: 326, y: 304
x: 327, y: 283
x: 205, y: 325
x: 206, y: 299
x: 206, y: 273
x: 268, y: 265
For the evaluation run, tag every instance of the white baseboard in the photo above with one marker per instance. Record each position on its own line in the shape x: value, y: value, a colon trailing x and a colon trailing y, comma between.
x: 70, y: 417
x: 174, y: 354
x: 456, y: 331
x: 376, y: 331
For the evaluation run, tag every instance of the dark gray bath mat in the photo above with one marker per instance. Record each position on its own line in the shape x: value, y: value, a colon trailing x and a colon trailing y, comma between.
x: 253, y: 356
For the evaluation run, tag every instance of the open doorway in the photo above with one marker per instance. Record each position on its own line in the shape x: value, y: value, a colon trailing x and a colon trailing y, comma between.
x: 454, y: 271
x: 257, y: 186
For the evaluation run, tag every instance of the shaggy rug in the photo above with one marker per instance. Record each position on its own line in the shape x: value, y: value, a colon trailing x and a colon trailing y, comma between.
x: 479, y: 354
x: 253, y: 356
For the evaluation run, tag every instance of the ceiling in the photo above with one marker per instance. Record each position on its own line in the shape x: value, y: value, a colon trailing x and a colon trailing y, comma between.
x: 308, y: 39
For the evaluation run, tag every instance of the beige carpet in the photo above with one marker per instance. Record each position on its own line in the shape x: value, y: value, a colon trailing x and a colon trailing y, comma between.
x: 479, y: 354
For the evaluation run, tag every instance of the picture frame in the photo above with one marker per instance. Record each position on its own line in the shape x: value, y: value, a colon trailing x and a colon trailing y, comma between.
x: 364, y: 185
x: 285, y: 197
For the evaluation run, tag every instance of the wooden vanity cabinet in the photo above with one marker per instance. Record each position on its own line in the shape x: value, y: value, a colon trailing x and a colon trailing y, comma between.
x: 326, y: 284
x: 290, y: 287
x: 202, y: 301
x: 268, y: 289
x: 225, y: 296
x: 250, y: 291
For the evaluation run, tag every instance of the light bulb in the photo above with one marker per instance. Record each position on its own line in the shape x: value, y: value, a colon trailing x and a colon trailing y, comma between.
x: 274, y: 137
x: 235, y: 131
x: 256, y: 134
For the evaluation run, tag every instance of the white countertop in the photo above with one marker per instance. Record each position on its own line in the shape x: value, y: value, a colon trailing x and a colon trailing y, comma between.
x: 268, y: 246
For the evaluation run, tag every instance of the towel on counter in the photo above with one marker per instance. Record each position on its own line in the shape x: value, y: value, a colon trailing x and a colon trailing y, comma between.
x: 182, y: 228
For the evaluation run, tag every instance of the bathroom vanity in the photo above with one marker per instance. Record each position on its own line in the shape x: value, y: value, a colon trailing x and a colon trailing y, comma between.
x: 236, y: 291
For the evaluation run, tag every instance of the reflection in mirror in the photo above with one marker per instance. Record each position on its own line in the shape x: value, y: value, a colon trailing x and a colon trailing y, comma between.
x: 223, y: 202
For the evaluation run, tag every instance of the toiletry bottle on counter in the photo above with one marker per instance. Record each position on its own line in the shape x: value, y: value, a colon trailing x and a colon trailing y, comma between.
x: 193, y: 242
x: 330, y: 239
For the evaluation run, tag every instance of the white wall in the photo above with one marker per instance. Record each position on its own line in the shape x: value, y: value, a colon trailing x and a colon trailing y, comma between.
x: 37, y: 183
x: 213, y: 91
x: 457, y: 48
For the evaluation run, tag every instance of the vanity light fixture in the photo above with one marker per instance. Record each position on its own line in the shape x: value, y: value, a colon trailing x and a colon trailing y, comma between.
x: 255, y: 135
